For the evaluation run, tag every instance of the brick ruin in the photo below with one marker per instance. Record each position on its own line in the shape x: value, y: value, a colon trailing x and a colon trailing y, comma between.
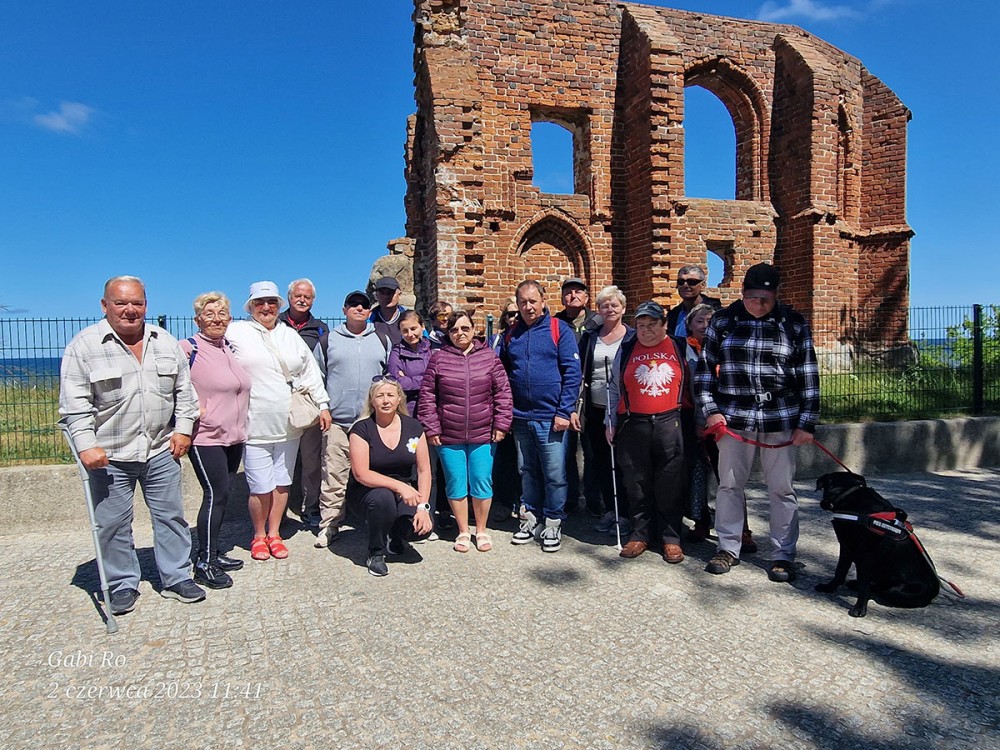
x: 820, y: 157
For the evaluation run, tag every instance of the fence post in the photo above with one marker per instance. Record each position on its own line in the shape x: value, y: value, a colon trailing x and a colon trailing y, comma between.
x: 978, y: 402
x: 489, y: 328
x: 161, y: 321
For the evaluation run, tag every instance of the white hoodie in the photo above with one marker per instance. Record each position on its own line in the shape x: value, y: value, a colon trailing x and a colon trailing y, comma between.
x: 270, y: 395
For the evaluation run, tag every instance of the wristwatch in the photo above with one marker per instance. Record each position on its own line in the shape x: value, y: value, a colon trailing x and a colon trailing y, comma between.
x: 424, y: 506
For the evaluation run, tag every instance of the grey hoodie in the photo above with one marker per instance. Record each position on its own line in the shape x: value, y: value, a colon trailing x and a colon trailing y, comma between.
x: 348, y: 362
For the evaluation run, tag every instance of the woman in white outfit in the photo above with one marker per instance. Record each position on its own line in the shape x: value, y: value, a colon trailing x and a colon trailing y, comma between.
x: 269, y: 458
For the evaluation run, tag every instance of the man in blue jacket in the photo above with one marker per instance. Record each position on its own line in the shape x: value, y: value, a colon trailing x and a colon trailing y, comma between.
x: 543, y: 363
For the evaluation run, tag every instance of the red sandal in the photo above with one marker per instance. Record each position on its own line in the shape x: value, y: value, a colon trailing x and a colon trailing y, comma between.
x: 278, y: 549
x: 258, y: 549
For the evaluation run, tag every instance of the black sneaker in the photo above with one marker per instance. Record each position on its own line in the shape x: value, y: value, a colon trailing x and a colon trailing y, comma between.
x: 186, y: 591
x: 782, y: 571
x: 377, y: 566
x: 211, y: 575
x: 721, y: 563
x: 222, y: 562
x: 123, y: 600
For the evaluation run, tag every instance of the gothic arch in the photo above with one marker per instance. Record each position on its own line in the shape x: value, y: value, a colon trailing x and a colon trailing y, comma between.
x: 747, y: 106
x: 559, y: 247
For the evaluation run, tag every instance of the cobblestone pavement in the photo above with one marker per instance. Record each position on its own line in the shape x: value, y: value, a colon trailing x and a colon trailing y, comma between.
x: 512, y: 648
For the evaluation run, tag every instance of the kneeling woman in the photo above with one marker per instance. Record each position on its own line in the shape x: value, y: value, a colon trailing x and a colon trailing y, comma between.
x: 389, y: 459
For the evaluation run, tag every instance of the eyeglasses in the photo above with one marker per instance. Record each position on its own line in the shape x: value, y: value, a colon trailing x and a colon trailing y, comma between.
x: 460, y: 329
x: 210, y: 317
x: 690, y: 282
x: 385, y: 379
x: 442, y: 316
x: 510, y: 314
x: 265, y: 301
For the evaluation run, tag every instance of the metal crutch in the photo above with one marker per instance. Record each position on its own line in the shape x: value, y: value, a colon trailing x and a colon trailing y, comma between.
x: 85, y: 477
x: 609, y: 417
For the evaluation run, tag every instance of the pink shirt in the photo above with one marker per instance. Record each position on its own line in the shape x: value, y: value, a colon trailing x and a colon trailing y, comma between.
x: 223, y: 388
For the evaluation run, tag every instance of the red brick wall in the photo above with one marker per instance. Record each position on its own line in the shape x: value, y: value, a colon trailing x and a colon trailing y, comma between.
x: 820, y: 154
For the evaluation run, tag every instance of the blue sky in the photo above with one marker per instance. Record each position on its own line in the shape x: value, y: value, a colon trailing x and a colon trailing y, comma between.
x: 209, y: 145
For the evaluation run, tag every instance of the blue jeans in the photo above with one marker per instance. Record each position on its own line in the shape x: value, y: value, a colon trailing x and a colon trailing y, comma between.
x: 541, y: 461
x: 113, y: 490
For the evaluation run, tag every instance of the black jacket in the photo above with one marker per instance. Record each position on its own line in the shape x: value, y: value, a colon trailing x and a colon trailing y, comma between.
x: 673, y: 316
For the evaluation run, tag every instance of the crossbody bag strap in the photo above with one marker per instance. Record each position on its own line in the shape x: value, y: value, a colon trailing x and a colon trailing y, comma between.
x: 284, y: 369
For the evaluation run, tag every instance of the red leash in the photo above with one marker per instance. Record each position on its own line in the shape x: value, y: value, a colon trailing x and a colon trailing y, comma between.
x: 718, y: 430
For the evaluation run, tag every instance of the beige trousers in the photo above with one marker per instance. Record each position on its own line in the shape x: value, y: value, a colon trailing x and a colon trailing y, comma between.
x: 336, y: 472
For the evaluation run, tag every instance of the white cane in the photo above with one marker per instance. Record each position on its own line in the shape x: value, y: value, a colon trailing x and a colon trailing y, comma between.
x: 609, y: 417
x: 85, y: 476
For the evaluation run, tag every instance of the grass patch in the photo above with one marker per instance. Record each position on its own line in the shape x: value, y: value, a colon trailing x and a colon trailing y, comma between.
x: 28, y: 430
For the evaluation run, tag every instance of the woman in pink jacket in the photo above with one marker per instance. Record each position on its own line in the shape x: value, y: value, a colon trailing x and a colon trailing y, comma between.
x: 223, y: 388
x: 466, y: 409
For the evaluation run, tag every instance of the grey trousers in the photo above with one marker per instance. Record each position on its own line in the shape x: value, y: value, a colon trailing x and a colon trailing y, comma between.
x: 113, y: 491
x: 778, y: 464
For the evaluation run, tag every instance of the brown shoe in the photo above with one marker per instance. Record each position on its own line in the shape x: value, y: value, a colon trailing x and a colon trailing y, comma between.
x: 673, y: 553
x: 747, y: 545
x: 633, y: 549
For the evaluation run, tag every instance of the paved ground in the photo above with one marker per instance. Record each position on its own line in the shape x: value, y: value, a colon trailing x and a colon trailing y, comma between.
x: 513, y: 648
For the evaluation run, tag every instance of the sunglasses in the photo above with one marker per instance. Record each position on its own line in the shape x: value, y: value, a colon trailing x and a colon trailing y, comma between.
x: 511, y: 314
x: 690, y: 282
x: 385, y: 379
x: 364, y: 304
x: 460, y: 329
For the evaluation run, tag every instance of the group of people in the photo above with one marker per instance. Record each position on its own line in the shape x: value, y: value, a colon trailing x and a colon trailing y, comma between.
x: 405, y: 411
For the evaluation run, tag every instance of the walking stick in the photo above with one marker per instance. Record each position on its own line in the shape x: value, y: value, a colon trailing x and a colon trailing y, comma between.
x: 85, y: 476
x: 611, y: 447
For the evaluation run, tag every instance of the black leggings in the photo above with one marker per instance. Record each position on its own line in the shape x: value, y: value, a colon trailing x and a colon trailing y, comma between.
x: 216, y: 467
x: 387, y: 515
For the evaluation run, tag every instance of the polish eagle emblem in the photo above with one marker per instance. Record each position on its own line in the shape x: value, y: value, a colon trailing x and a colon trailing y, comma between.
x: 654, y: 379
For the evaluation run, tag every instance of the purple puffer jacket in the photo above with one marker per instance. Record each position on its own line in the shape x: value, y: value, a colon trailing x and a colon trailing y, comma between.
x: 408, y: 366
x: 463, y: 398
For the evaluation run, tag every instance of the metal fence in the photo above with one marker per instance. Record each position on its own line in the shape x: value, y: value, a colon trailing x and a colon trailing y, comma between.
x: 876, y: 365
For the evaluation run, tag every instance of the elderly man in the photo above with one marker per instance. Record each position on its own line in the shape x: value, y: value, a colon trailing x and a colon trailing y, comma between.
x: 301, y: 296
x: 126, y: 397
x: 349, y: 357
x: 543, y: 362
x: 758, y: 383
x: 649, y: 385
x: 385, y: 316
x: 691, y: 288
x: 579, y: 317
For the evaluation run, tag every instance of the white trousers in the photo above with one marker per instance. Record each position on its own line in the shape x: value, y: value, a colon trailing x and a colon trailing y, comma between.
x: 735, y: 462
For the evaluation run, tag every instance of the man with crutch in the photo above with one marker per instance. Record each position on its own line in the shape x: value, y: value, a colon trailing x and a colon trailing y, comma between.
x: 127, y: 404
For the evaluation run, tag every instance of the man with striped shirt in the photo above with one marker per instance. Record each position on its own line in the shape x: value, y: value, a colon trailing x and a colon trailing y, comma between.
x: 758, y: 383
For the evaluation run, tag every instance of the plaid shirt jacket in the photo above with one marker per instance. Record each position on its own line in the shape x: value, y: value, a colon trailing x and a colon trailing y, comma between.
x: 759, y: 373
x: 109, y: 400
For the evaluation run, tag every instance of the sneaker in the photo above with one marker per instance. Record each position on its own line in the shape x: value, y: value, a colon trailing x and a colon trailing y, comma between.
x: 607, y: 523
x: 446, y: 522
x: 701, y: 532
x: 325, y: 536
x: 222, y: 562
x: 782, y: 571
x: 530, y: 528
x: 311, y: 520
x: 624, y: 525
x: 209, y: 574
x: 747, y: 545
x: 186, y: 591
x: 552, y: 535
x: 377, y: 567
x: 123, y: 600
x: 432, y: 537
x: 397, y: 546
x: 722, y: 562
x: 595, y: 509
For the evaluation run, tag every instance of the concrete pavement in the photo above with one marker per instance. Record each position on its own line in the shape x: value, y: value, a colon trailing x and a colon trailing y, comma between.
x: 513, y: 648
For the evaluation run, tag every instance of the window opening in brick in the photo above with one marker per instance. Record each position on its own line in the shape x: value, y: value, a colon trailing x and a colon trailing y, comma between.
x: 709, y: 146
x: 552, y: 157
x: 719, y: 261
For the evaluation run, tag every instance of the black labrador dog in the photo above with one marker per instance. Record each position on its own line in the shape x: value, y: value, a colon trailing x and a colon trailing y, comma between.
x: 888, y: 560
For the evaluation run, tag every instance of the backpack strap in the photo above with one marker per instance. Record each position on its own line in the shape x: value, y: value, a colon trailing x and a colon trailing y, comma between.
x: 194, y: 350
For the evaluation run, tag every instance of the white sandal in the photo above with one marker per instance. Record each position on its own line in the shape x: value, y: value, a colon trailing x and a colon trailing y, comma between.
x: 483, y: 542
x: 463, y: 542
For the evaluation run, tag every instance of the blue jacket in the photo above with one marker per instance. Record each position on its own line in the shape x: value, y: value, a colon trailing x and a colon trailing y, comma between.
x: 544, y: 376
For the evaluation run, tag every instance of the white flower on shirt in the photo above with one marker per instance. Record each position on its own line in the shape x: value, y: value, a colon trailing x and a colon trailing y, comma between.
x: 411, y: 444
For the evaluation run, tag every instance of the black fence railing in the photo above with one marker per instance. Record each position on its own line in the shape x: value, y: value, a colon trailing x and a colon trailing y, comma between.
x: 875, y: 364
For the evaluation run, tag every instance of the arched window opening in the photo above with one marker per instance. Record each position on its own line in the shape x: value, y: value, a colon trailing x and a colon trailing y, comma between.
x: 709, y: 146
x: 719, y: 262
x: 552, y: 157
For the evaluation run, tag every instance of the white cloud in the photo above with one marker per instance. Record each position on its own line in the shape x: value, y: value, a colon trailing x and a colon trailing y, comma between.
x: 810, y: 10
x: 70, y: 119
